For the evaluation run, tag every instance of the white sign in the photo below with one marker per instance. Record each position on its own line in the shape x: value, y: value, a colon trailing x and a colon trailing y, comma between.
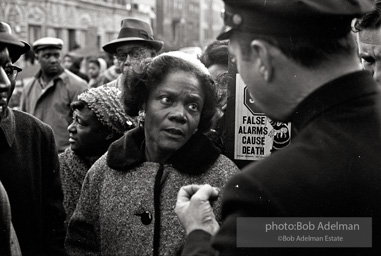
x: 256, y: 136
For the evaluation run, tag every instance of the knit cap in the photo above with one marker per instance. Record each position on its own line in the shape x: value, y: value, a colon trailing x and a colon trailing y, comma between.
x: 105, y: 103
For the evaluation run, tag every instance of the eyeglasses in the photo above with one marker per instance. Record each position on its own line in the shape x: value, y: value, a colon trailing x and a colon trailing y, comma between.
x: 12, y: 71
x: 135, y: 53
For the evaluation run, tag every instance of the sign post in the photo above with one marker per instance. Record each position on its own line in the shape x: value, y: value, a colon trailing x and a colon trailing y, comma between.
x: 250, y: 134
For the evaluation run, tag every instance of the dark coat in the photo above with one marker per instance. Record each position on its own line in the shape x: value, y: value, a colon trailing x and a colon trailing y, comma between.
x: 126, y: 206
x: 9, y: 245
x: 29, y: 171
x: 331, y: 169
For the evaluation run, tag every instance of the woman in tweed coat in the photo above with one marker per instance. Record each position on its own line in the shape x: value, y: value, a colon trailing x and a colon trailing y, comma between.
x: 128, y: 196
x: 98, y: 120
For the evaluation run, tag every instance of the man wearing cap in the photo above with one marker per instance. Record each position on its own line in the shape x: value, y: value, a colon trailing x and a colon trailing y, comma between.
x: 135, y: 43
x: 300, y: 64
x: 49, y: 94
x: 29, y: 169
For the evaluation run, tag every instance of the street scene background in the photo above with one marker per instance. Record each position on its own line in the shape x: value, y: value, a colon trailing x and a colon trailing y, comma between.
x: 86, y: 25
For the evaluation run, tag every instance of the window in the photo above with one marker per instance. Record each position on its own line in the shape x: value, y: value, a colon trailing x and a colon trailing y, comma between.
x: 72, y: 40
x: 58, y: 32
x: 110, y: 36
x: 83, y: 35
x: 34, y: 32
x: 98, y: 41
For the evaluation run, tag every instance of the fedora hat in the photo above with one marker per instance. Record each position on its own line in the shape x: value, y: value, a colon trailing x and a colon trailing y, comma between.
x: 15, y: 47
x: 133, y: 30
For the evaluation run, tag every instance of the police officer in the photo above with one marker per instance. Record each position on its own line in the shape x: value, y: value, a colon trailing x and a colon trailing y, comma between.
x: 299, y: 62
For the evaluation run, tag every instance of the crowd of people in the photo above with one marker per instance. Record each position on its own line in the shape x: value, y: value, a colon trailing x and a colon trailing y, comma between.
x: 130, y: 159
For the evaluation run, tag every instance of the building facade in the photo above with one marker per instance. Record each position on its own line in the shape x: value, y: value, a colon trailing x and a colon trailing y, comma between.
x: 80, y: 23
x: 185, y: 23
x: 92, y: 23
x: 210, y: 20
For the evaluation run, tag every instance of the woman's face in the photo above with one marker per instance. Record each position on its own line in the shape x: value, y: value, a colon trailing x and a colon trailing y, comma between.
x: 86, y: 134
x: 173, y: 111
x: 67, y: 62
x: 93, y: 70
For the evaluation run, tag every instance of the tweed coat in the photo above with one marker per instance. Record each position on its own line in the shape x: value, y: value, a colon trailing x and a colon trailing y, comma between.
x: 73, y: 169
x: 331, y: 169
x: 125, y: 207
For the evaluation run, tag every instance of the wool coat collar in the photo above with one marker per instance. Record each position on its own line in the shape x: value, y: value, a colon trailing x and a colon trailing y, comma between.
x: 195, y: 157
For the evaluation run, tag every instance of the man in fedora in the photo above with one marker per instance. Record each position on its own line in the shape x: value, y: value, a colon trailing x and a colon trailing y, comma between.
x: 49, y: 94
x: 135, y: 43
x: 299, y: 61
x: 29, y: 168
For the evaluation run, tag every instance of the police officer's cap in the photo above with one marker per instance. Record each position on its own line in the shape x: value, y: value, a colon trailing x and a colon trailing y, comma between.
x: 47, y: 42
x: 292, y: 18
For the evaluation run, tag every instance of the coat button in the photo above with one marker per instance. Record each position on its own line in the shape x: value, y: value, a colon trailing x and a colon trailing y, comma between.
x: 145, y: 217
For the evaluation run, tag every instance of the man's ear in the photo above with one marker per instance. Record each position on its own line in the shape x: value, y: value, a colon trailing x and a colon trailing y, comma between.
x: 264, y: 59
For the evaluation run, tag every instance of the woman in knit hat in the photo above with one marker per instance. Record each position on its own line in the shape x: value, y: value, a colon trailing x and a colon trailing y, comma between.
x: 98, y: 120
x: 128, y: 197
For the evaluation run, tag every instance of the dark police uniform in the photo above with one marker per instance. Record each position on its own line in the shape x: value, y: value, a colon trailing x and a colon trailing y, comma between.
x: 333, y: 166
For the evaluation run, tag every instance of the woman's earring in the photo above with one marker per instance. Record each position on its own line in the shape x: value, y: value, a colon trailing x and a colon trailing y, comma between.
x: 264, y: 73
x: 141, y: 118
x: 266, y: 76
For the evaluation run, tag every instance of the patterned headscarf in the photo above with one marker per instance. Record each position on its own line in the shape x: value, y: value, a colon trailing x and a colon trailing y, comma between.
x: 105, y: 103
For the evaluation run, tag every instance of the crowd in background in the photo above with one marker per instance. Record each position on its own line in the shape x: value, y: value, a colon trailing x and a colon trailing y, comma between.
x: 96, y: 152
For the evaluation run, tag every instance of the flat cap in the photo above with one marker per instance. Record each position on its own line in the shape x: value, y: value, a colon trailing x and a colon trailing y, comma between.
x: 295, y: 18
x: 47, y: 42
